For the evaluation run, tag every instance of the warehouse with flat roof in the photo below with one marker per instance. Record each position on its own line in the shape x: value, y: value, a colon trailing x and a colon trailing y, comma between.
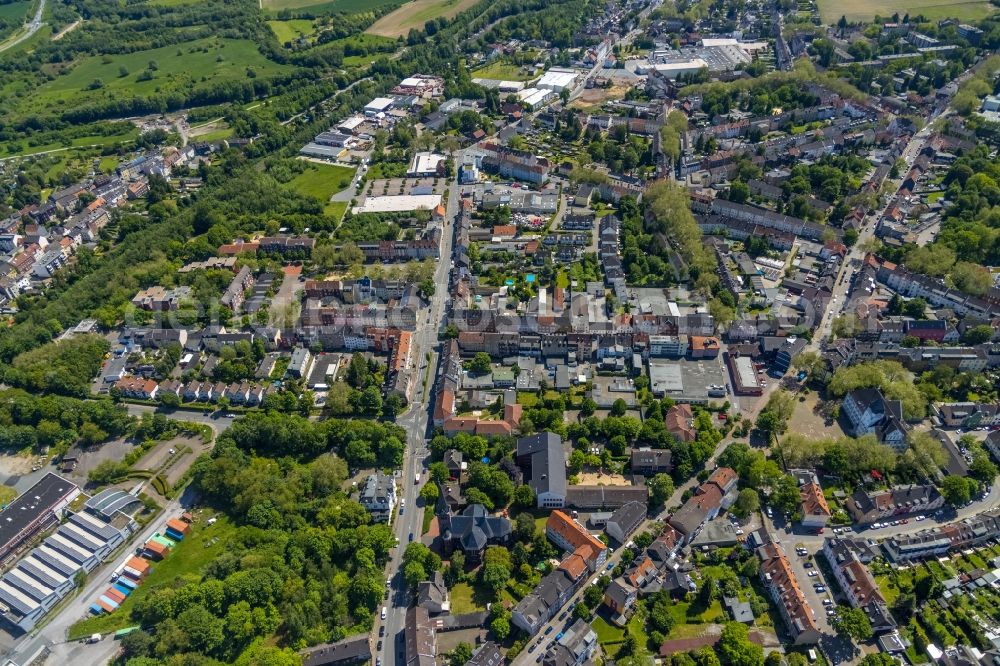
x: 47, y: 574
x: 744, y: 376
x: 36, y: 508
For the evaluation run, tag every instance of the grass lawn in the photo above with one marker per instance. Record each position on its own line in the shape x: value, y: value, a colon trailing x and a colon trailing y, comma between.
x: 178, y: 68
x: 462, y: 599
x: 321, y: 6
x: 501, y: 70
x: 686, y: 613
x: 932, y: 10
x: 216, y: 135
x: 562, y: 280
x: 15, y: 12
x: 108, y: 163
x: 527, y: 399
x: 336, y: 209
x: 322, y: 181
x: 202, y: 545
x: 78, y: 142
x: 287, y: 31
x: 427, y: 519
x: 414, y: 14
x: 607, y: 634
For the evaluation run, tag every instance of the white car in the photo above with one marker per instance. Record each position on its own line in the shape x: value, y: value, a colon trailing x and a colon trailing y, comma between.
x: 813, y: 573
x: 383, y: 612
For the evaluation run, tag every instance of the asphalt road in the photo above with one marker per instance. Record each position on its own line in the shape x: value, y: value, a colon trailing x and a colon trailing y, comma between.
x: 27, y: 31
x: 53, y: 634
x: 842, y: 284
x: 408, y: 526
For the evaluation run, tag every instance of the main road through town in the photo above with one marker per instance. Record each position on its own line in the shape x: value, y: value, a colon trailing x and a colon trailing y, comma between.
x: 408, y: 520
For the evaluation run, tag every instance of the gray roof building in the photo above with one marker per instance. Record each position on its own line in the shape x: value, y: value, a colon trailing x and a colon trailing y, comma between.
x: 419, y: 637
x: 543, y: 460
x: 739, y: 610
x: 576, y: 646
x: 487, y: 655
x: 378, y: 496
x: 351, y: 650
x: 433, y: 595
x: 472, y: 530
x: 625, y: 520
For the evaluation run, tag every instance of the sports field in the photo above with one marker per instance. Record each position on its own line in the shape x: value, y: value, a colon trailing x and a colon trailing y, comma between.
x: 176, y: 67
x: 415, y: 14
x: 932, y: 10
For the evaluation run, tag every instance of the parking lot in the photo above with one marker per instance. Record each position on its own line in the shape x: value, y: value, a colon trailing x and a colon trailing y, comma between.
x: 809, y: 576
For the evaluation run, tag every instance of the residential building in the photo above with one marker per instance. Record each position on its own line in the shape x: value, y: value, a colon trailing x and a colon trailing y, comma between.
x: 232, y: 298
x: 352, y: 650
x: 575, y: 647
x: 868, y: 411
x: 378, y: 496
x: 647, y: 462
x: 620, y: 597
x: 487, y: 655
x: 717, y: 493
x: 897, y: 502
x: 571, y: 536
x: 779, y: 581
x: 419, y: 638
x: 967, y: 414
x: 680, y: 422
x: 550, y: 595
x: 158, y: 299
x: 300, y: 363
x: 625, y: 520
x: 857, y: 583
x: 814, y: 508
x: 433, y: 595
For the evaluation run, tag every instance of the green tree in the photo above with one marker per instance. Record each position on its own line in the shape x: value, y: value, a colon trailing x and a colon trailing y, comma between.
x: 736, y: 649
x: 501, y: 628
x: 746, y: 503
x: 957, y: 490
x: 852, y: 623
x: 430, y: 493
x: 480, y: 364
x: 460, y: 655
x: 661, y: 487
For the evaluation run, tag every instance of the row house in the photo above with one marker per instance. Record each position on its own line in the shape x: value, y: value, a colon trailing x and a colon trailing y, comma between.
x: 233, y: 297
x: 934, y: 291
x: 553, y: 592
x: 897, y: 502
x: 287, y: 246
x: 933, y: 542
x: 428, y: 247
x: 967, y: 414
x: 717, y: 493
x: 137, y: 388
x: 761, y: 216
x: 783, y: 588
